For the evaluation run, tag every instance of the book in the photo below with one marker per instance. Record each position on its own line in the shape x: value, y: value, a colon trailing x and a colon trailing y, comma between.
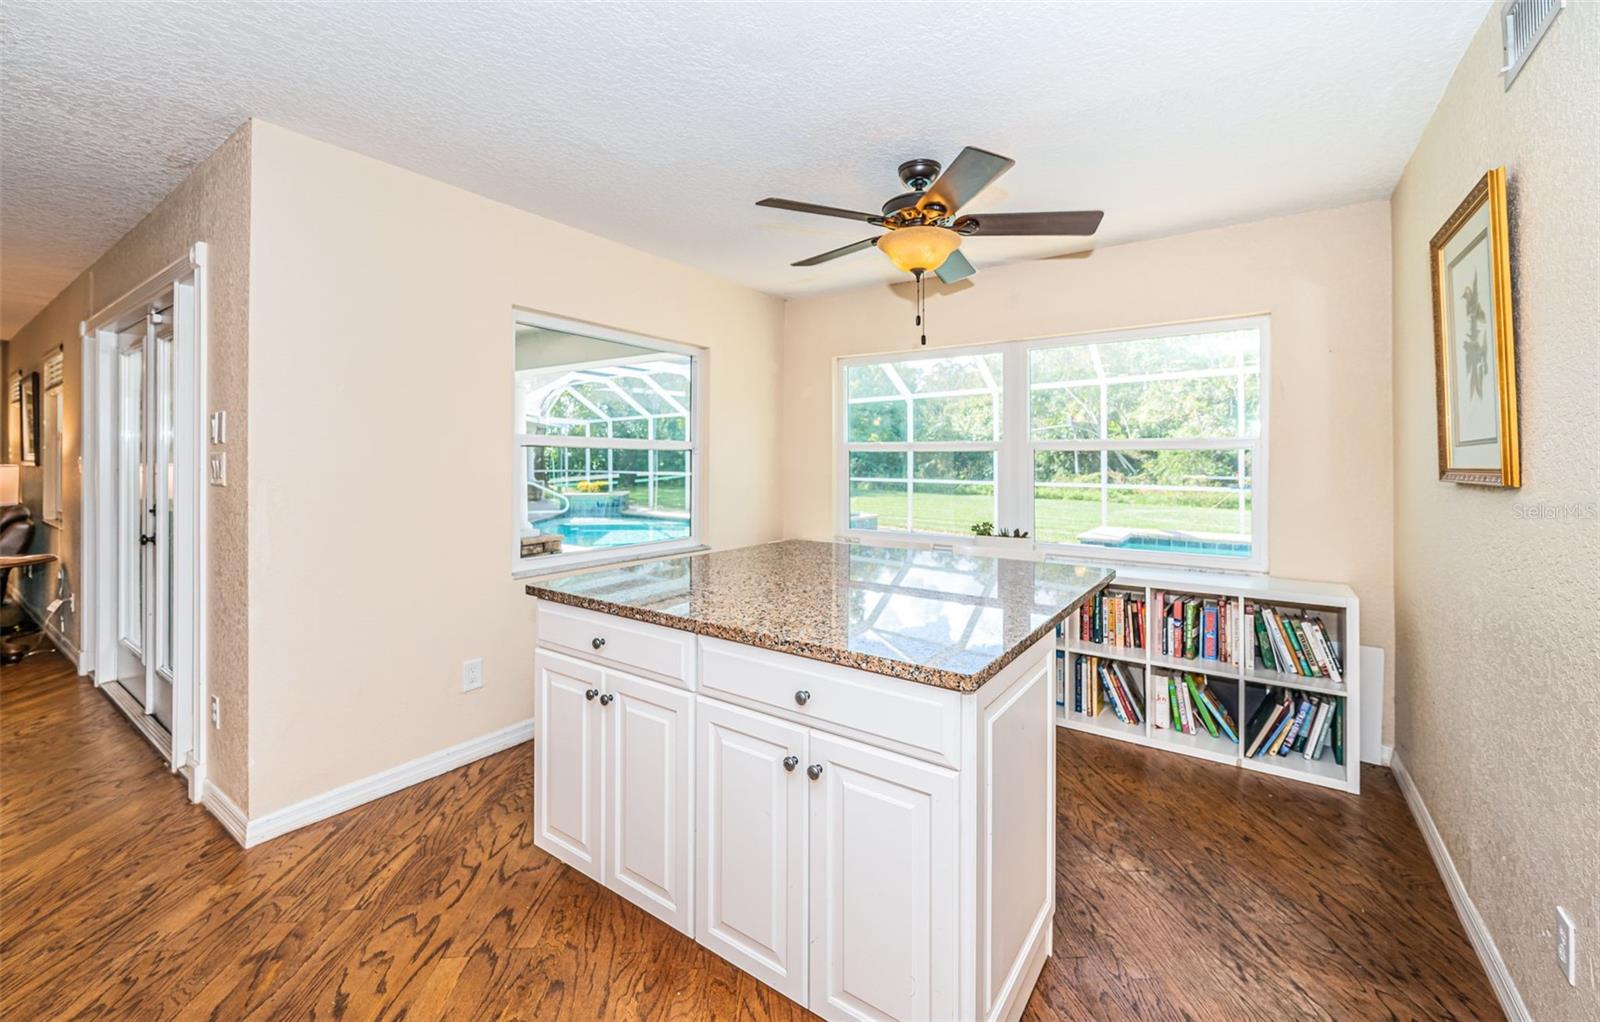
x: 1298, y: 631
x: 1327, y: 734
x: 1299, y: 743
x: 1061, y: 678
x: 1319, y: 726
x: 1202, y: 710
x: 1281, y: 724
x: 1338, y: 732
x: 1208, y: 630
x: 1218, y: 710
x: 1111, y: 695
x: 1265, y: 723
x: 1191, y: 629
x: 1263, y: 643
x: 1185, y: 710
x: 1133, y: 696
x: 1327, y: 644
x: 1176, y: 708
x: 1160, y: 708
x: 1299, y: 721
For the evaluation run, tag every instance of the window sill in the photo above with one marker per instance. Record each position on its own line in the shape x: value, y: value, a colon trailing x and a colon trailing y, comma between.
x: 529, y: 570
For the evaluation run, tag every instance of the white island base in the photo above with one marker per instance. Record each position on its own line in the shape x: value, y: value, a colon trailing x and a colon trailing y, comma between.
x: 872, y: 848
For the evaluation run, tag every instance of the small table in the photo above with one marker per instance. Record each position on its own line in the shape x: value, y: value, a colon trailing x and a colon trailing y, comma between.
x: 13, y: 652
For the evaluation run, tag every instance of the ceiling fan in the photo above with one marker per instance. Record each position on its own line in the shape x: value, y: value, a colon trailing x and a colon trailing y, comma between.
x: 925, y: 226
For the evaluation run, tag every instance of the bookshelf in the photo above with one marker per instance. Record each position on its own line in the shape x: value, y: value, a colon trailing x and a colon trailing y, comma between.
x: 1240, y: 682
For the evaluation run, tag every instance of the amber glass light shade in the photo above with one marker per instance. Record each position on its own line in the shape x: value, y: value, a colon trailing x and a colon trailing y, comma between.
x: 919, y: 248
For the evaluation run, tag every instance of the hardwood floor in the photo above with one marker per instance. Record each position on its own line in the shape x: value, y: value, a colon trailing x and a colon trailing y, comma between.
x: 1188, y: 891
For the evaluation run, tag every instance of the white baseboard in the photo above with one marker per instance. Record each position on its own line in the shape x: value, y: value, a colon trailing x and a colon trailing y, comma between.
x: 1387, y: 753
x: 1477, y: 932
x: 231, y: 816
x: 348, y: 796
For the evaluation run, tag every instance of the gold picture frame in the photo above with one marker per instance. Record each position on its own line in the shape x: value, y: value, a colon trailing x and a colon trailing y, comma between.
x: 1474, y: 349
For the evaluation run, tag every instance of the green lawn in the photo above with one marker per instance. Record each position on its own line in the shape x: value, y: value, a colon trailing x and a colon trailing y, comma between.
x: 1054, y: 520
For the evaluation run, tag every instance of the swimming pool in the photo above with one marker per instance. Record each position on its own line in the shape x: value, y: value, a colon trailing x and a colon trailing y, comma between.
x: 1174, y: 542
x: 592, y: 533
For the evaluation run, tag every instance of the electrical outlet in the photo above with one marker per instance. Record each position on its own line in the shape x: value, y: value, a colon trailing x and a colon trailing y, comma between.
x: 472, y: 674
x: 1567, y: 945
x: 216, y: 712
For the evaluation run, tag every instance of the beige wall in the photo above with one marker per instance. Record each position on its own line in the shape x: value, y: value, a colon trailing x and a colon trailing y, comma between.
x: 381, y: 450
x: 211, y: 205
x: 1323, y: 277
x: 1498, y: 652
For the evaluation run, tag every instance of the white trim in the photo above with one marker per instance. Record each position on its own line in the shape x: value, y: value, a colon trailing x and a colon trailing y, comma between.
x: 144, y: 723
x: 1505, y: 988
x: 231, y: 817
x: 97, y: 442
x: 385, y: 782
x: 696, y: 419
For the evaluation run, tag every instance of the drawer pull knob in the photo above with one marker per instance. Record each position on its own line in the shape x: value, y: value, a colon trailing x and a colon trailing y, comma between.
x: 605, y: 700
x: 597, y: 642
x: 591, y: 694
x: 802, y: 697
x: 790, y: 762
x: 814, y: 771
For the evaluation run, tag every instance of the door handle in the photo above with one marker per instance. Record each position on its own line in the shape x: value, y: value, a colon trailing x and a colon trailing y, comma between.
x: 589, y: 695
x: 790, y: 762
x: 814, y: 771
x: 605, y: 700
x: 146, y: 540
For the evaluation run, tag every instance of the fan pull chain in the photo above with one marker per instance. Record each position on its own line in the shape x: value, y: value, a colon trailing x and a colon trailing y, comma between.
x: 922, y: 309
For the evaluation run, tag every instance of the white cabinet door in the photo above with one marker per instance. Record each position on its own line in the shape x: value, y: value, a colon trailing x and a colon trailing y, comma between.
x: 885, y: 884
x: 649, y: 773
x: 751, y: 845
x: 566, y: 773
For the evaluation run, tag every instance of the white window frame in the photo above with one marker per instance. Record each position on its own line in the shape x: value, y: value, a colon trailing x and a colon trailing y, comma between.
x: 1014, y: 457
x: 52, y: 461
x: 545, y: 564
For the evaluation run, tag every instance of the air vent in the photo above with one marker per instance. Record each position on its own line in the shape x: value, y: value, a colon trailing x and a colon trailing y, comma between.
x: 1524, y: 23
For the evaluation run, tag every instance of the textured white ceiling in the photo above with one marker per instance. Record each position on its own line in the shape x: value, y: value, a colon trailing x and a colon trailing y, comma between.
x: 659, y: 124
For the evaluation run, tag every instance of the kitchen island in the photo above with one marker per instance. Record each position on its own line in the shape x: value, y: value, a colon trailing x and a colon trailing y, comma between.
x: 831, y: 764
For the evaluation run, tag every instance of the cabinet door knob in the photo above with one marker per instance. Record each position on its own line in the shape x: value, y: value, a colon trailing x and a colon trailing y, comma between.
x: 790, y: 762
x: 814, y: 771
x: 802, y: 697
x: 597, y: 642
x: 605, y: 700
x: 591, y: 693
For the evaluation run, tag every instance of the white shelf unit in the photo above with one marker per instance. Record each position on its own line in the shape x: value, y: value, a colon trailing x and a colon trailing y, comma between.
x: 1337, y: 607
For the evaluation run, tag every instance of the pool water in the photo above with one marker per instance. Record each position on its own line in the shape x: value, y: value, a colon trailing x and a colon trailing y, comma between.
x: 1172, y: 544
x: 611, y: 532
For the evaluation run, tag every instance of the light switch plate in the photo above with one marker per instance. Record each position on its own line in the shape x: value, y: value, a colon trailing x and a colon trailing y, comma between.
x: 1567, y: 945
x: 472, y: 674
x: 219, y: 427
x: 218, y: 475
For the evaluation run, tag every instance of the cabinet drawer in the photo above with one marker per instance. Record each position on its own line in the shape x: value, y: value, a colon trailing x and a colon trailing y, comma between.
x: 918, y: 720
x: 663, y: 653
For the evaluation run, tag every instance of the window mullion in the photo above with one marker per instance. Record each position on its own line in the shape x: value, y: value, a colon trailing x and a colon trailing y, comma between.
x: 1014, y: 461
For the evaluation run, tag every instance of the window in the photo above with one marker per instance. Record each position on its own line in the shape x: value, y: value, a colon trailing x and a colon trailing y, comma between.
x: 921, y: 438
x: 1138, y: 445
x: 607, y: 448
x: 52, y: 413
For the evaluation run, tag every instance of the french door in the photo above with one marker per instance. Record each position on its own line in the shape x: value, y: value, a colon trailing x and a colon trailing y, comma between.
x: 145, y: 511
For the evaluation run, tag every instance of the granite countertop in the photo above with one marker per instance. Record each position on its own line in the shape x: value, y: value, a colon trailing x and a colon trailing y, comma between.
x: 949, y: 619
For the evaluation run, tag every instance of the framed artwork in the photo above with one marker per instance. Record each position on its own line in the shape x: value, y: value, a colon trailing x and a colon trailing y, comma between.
x: 28, y: 402
x: 1474, y: 352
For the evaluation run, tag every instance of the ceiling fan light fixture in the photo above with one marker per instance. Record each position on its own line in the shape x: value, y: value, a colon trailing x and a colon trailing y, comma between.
x: 919, y: 248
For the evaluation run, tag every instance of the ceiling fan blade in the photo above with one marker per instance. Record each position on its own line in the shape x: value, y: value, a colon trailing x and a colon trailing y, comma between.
x: 955, y: 268
x: 836, y: 253
x: 1085, y: 221
x: 970, y: 173
x: 811, y: 207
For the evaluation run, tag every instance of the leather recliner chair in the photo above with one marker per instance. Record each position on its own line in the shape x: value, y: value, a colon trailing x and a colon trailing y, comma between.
x: 16, y: 532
